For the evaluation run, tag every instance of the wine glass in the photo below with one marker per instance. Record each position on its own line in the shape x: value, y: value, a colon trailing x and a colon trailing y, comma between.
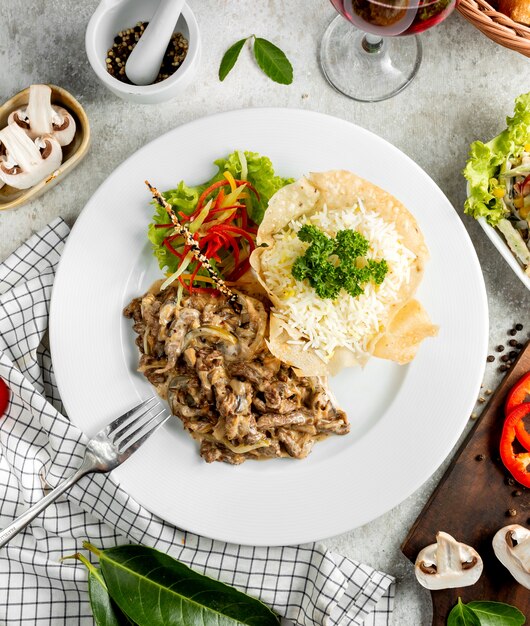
x: 365, y: 56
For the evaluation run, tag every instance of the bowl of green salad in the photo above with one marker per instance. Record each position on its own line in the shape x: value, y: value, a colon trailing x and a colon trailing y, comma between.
x: 498, y: 187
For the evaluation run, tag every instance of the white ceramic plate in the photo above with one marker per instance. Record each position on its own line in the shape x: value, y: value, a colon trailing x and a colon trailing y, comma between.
x: 405, y: 420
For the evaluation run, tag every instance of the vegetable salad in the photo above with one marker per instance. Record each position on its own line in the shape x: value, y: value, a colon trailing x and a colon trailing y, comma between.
x: 223, y: 214
x: 498, y: 173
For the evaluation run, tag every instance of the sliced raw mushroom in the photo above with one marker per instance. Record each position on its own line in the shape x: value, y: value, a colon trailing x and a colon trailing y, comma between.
x: 24, y: 162
x: 447, y: 564
x: 41, y: 117
x: 511, y: 545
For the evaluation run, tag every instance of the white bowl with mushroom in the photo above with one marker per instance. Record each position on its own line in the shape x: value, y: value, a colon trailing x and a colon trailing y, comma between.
x: 44, y: 134
x: 113, y: 16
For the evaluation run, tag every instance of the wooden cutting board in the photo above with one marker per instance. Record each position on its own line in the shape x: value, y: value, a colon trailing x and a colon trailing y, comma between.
x: 471, y: 503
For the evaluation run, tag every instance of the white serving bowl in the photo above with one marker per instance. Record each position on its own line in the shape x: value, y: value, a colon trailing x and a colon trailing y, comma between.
x: 113, y: 16
x: 501, y: 245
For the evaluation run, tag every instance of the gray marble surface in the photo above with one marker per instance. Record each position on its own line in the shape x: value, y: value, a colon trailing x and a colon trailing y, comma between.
x: 465, y: 88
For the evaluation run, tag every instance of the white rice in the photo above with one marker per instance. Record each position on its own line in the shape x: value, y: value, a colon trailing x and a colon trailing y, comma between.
x: 325, y: 324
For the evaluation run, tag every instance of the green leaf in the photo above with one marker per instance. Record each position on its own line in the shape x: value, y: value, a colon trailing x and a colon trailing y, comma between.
x: 462, y: 615
x: 104, y: 610
x: 157, y: 590
x: 230, y: 57
x: 497, y: 614
x: 273, y: 61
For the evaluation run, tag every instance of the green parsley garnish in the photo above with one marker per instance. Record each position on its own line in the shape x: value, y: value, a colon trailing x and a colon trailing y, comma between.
x: 334, y: 264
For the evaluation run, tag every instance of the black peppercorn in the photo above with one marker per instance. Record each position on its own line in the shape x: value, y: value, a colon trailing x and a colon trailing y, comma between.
x: 512, y: 332
x: 519, y: 327
x: 512, y: 342
x: 490, y: 358
x: 499, y: 348
x: 124, y: 43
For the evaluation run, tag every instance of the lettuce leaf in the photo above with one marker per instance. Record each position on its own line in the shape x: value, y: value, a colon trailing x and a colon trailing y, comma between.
x: 260, y: 174
x: 486, y: 160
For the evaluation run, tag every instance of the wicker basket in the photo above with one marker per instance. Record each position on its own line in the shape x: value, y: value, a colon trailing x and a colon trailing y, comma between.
x: 496, y: 25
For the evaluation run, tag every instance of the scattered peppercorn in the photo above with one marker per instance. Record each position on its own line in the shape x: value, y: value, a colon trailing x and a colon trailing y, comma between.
x: 505, y: 358
x: 490, y: 358
x: 480, y: 457
x: 511, y: 512
x: 517, y: 493
x: 518, y: 327
x: 512, y: 342
x: 519, y: 346
x: 503, y: 368
x: 499, y: 348
x: 512, y: 332
x: 124, y: 43
x: 512, y: 354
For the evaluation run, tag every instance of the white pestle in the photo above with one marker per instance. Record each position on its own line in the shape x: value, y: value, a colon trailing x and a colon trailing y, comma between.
x: 143, y: 64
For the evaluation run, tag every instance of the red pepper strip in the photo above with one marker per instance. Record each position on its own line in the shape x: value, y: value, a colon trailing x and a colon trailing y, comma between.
x: 209, y: 290
x: 238, y: 231
x: 247, y: 184
x: 221, y: 209
x: 239, y: 271
x: 235, y: 247
x: 185, y: 217
x: 219, y: 199
x: 164, y: 226
x: 518, y: 394
x: 518, y: 464
x: 192, y: 277
x: 244, y: 219
x: 206, y: 193
x: 525, y: 187
x: 214, y: 244
x: 172, y: 249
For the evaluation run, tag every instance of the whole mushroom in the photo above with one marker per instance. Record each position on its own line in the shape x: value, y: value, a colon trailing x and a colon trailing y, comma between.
x: 41, y: 117
x: 511, y: 545
x: 25, y: 162
x: 447, y: 564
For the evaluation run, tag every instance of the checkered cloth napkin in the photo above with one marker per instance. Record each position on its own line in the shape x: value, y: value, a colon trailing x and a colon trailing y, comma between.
x: 307, y: 584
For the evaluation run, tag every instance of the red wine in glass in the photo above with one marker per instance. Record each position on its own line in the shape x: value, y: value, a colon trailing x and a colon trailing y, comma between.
x: 363, y: 54
x: 394, y: 17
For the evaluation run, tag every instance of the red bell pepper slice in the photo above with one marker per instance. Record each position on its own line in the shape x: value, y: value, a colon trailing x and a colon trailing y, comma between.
x: 238, y: 271
x: 517, y: 463
x: 525, y: 187
x: 518, y: 394
x: 4, y: 397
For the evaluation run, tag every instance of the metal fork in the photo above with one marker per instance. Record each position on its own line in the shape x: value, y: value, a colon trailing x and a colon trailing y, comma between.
x: 109, y: 448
